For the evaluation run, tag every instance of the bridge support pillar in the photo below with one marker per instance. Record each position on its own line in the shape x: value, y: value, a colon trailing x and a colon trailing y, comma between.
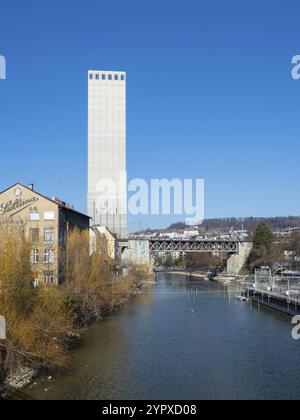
x: 236, y: 262
x: 138, y: 252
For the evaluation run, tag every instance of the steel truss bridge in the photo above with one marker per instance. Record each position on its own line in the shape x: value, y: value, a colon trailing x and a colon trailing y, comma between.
x: 169, y: 245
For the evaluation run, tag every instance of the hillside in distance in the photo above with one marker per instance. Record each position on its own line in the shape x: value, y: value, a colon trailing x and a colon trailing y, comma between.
x: 249, y: 224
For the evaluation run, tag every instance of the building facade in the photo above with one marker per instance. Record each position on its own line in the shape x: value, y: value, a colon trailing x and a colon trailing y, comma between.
x: 101, y: 240
x: 46, y: 224
x: 107, y: 179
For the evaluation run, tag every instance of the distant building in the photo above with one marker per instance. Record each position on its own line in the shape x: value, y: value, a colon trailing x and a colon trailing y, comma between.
x: 103, y: 241
x: 107, y: 151
x: 46, y: 224
x: 191, y: 233
x: 171, y: 235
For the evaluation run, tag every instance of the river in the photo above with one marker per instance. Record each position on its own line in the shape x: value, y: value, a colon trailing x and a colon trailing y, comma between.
x: 183, y: 339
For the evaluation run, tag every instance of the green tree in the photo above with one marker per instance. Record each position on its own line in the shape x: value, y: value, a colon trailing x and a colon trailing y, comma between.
x: 265, y: 251
x: 263, y: 237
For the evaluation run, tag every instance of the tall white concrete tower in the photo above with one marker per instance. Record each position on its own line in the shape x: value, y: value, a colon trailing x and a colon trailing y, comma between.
x: 107, y: 183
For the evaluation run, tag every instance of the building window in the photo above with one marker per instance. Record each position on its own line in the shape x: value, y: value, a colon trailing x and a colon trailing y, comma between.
x: 34, y: 256
x: 48, y: 256
x: 49, y: 215
x: 49, y: 235
x: 48, y: 277
x: 97, y: 76
x: 109, y: 77
x: 34, y: 235
x: 123, y: 77
x: 34, y: 216
x: 103, y: 77
x: 116, y: 77
x: 91, y: 77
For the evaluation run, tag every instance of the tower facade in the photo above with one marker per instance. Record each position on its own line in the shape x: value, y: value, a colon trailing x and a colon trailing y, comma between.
x: 107, y: 180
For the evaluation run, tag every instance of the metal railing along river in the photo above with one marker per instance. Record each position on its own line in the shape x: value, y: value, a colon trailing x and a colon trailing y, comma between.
x: 278, y: 287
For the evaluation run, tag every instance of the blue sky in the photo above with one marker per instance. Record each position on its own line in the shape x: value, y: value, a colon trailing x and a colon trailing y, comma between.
x: 210, y: 95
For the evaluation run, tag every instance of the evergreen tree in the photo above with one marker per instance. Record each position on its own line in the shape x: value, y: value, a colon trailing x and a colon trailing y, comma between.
x: 264, y: 252
x: 263, y: 237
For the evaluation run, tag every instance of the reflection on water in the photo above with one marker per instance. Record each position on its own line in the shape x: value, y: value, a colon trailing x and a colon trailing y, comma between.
x: 183, y: 339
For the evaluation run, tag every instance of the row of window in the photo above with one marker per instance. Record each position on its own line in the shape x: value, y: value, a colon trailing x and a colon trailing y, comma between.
x: 107, y: 77
x: 34, y: 235
x: 49, y: 278
x: 48, y: 257
x: 34, y: 216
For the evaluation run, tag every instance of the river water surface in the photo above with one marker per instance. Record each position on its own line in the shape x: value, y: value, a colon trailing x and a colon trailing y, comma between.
x: 183, y: 339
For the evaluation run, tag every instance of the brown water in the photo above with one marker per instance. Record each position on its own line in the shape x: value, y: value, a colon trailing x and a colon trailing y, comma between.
x: 183, y: 339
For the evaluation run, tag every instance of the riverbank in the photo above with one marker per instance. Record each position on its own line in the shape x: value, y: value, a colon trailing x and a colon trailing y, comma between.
x: 74, y: 308
x: 204, y: 275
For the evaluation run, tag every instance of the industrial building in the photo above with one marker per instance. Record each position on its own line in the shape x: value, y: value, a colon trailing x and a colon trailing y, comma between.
x: 46, y: 224
x: 107, y: 180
